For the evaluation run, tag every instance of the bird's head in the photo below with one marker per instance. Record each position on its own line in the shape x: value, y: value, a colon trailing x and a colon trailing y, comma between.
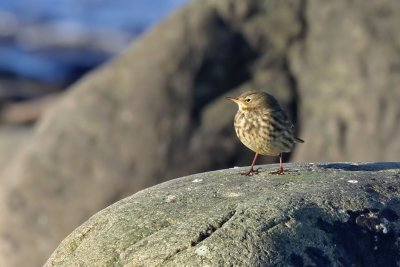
x: 255, y: 100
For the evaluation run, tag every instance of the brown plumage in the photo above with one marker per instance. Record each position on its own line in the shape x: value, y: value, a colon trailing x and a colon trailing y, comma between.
x: 263, y: 126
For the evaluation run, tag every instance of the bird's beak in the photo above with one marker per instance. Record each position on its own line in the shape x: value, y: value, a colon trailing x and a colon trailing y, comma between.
x: 233, y: 99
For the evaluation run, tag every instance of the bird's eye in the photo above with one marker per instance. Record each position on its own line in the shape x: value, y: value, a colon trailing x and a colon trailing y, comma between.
x: 248, y: 99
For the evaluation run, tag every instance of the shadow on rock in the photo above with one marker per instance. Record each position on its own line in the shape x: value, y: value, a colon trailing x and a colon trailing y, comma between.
x: 376, y: 166
x: 365, y: 237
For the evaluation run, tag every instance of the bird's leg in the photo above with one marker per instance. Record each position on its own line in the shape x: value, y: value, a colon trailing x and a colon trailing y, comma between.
x: 251, y: 170
x: 280, y: 170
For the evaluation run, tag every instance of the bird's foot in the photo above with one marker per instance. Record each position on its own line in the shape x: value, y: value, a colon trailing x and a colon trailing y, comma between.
x: 278, y: 172
x: 251, y: 172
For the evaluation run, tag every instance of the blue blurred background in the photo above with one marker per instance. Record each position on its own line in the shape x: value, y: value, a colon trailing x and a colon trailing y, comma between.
x: 45, y: 45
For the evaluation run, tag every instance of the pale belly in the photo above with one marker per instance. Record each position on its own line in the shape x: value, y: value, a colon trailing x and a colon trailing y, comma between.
x: 263, y: 141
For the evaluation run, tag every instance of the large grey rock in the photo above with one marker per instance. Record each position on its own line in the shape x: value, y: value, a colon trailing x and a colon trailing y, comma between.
x: 338, y: 214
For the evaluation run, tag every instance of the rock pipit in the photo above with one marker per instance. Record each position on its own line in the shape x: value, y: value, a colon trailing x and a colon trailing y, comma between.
x: 263, y: 126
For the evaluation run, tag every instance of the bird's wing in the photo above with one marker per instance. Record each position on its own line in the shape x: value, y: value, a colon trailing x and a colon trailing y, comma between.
x: 282, y: 119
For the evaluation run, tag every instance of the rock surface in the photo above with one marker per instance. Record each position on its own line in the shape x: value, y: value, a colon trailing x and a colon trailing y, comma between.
x: 336, y: 214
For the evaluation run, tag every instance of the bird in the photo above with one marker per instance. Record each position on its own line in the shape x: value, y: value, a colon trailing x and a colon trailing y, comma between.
x: 263, y: 126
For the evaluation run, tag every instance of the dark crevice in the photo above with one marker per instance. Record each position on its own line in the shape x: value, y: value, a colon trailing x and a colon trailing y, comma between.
x: 293, y: 86
x: 292, y: 79
x: 342, y: 128
x: 211, y: 229
x: 203, y: 235
x: 302, y: 17
x: 226, y: 65
x: 294, y: 102
x: 275, y: 223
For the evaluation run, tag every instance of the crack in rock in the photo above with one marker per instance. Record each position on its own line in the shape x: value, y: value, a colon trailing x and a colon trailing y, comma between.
x: 272, y: 224
x: 211, y: 229
x: 204, y: 234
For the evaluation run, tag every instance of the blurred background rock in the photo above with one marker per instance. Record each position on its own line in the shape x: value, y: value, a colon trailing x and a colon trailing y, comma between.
x: 157, y: 111
x: 46, y: 45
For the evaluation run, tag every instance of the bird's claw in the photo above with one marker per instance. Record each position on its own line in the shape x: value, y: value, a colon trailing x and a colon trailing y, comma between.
x: 278, y: 172
x: 251, y: 172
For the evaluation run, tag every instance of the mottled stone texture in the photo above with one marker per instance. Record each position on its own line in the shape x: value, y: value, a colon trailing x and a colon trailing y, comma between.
x: 341, y: 214
x: 157, y: 111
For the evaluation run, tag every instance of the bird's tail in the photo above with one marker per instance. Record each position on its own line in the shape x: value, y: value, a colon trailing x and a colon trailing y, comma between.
x: 298, y: 140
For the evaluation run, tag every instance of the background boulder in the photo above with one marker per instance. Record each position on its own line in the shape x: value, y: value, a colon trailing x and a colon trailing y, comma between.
x: 347, y: 69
